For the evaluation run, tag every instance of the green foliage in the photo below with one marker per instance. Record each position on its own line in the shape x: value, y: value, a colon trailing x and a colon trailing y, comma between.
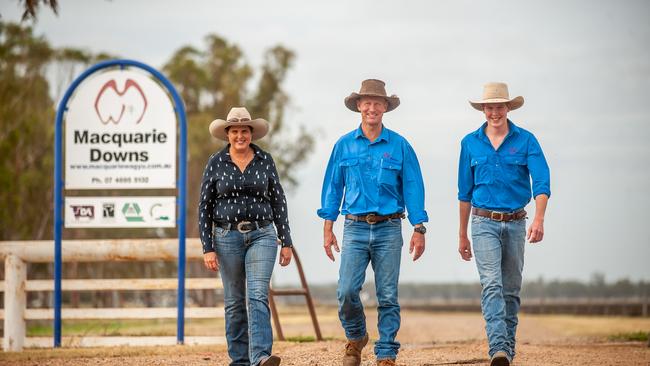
x: 211, y: 81
x: 26, y: 135
x: 215, y: 79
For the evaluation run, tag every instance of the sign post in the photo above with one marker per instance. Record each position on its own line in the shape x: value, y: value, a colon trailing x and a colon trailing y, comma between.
x: 120, y: 133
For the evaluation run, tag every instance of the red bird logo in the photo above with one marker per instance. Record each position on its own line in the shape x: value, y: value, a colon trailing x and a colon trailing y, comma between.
x: 113, y: 105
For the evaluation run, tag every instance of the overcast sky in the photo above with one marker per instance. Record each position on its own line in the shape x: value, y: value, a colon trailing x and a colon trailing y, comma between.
x: 583, y: 68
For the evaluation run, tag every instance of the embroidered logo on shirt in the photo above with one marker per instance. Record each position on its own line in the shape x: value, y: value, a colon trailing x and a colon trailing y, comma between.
x: 512, y: 150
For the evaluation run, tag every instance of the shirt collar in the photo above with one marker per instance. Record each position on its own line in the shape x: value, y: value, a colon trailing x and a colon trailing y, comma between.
x: 382, y: 136
x: 512, y: 130
x: 224, y: 154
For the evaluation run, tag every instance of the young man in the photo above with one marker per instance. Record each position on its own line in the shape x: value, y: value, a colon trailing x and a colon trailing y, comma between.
x: 496, y: 163
x: 376, y: 173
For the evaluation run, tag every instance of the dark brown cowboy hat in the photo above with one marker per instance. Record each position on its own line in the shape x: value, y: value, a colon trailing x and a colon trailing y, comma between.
x: 371, y: 88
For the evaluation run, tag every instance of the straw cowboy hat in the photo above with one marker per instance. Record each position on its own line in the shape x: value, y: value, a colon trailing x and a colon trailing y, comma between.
x: 371, y: 88
x: 497, y: 93
x: 239, y: 116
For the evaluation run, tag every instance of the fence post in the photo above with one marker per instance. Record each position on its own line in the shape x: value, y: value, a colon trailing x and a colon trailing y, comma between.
x: 15, y: 302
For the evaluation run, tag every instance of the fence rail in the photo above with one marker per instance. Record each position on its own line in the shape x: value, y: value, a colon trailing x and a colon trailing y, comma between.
x: 17, y: 253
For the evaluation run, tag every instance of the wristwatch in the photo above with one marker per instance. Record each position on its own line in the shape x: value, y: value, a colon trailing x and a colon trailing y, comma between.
x: 420, y: 229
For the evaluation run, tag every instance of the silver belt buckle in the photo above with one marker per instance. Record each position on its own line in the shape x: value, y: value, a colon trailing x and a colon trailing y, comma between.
x: 242, y: 223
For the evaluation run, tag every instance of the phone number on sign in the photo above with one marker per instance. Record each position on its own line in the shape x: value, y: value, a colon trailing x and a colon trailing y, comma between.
x: 126, y: 180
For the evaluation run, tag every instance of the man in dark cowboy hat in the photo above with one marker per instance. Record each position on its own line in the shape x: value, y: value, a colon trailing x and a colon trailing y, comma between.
x: 496, y: 164
x: 376, y: 173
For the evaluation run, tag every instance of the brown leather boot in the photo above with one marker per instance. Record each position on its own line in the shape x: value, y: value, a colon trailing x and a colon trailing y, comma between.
x: 386, y: 362
x: 353, y: 351
x: 272, y: 360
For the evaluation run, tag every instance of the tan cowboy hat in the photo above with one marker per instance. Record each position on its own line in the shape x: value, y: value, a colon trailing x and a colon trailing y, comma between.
x: 371, y: 88
x: 497, y: 93
x: 239, y: 116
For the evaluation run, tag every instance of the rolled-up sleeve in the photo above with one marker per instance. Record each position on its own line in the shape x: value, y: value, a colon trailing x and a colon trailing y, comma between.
x: 332, y: 191
x: 279, y: 205
x: 538, y: 168
x: 206, y: 206
x: 413, y: 187
x: 465, y: 175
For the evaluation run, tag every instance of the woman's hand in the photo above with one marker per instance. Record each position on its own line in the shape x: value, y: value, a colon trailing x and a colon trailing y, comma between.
x: 211, y: 262
x: 285, y: 256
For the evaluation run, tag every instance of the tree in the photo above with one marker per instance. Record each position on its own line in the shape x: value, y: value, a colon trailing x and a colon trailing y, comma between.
x: 30, y: 7
x: 27, y: 133
x: 213, y: 80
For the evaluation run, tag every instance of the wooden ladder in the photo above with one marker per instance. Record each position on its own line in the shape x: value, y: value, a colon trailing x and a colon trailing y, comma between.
x: 303, y: 291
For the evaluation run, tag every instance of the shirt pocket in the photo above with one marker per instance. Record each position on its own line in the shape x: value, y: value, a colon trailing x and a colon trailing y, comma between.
x: 482, y: 170
x: 516, y: 167
x: 389, y: 172
x: 349, y: 170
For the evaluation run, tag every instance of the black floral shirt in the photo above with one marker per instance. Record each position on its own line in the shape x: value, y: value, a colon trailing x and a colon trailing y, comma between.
x: 230, y: 196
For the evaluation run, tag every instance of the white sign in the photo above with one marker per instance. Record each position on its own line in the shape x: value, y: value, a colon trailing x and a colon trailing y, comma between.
x: 138, y: 211
x: 120, y: 132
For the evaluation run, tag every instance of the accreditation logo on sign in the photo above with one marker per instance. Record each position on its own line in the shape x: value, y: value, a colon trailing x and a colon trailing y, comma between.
x: 120, y: 133
x: 131, y: 212
x: 127, y: 212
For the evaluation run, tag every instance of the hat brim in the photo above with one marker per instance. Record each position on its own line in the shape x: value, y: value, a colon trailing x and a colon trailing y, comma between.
x: 513, y: 103
x: 351, y: 101
x: 218, y: 128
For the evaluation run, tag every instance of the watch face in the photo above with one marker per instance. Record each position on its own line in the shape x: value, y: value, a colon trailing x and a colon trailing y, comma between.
x: 421, y: 229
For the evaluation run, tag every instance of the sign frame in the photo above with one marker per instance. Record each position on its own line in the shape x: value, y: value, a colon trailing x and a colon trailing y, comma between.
x: 181, y: 186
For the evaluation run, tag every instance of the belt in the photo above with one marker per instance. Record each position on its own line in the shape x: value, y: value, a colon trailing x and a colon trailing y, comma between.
x: 373, y: 218
x: 499, y: 216
x: 243, y: 226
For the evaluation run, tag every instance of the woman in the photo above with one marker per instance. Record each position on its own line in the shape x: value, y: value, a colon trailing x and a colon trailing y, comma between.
x: 241, y: 197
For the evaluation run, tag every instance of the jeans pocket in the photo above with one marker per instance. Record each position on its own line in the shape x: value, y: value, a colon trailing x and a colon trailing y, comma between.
x: 395, y: 222
x: 348, y: 222
x: 220, y: 232
x: 478, y: 219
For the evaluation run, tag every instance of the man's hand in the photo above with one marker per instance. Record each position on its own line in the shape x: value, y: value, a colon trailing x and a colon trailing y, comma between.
x: 211, y: 262
x: 329, y: 241
x: 285, y: 256
x: 536, y: 231
x: 417, y: 245
x: 465, y: 248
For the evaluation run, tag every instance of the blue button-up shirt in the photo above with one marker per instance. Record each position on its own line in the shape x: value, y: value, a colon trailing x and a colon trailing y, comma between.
x: 499, y: 180
x: 380, y: 177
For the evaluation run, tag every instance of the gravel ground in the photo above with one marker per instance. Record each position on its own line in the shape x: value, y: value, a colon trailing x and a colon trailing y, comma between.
x: 427, y: 339
x: 329, y: 353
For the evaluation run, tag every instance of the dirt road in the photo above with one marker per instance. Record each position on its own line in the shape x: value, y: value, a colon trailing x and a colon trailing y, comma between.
x: 427, y: 339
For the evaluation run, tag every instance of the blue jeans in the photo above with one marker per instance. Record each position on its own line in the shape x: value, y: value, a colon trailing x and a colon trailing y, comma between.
x: 245, y: 263
x: 499, y: 253
x: 381, y: 245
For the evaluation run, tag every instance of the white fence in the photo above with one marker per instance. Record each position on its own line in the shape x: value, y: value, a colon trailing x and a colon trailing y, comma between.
x: 16, y: 285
